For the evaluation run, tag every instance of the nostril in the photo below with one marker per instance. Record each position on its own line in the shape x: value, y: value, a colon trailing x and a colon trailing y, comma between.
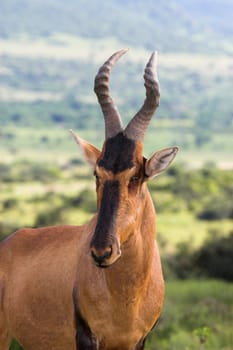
x: 101, y: 255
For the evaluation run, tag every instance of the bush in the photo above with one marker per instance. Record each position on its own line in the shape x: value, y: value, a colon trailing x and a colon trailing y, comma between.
x: 37, y: 172
x: 217, y: 208
x: 5, y: 173
x: 49, y: 217
x: 181, y: 264
x: 215, y: 258
x: 86, y: 200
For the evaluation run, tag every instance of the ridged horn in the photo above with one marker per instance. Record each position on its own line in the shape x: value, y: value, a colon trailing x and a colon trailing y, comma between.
x: 113, y: 124
x: 137, y: 126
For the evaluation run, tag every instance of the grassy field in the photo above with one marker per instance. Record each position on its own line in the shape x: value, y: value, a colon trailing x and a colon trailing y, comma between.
x: 47, y: 82
x: 36, y: 181
x: 56, y: 144
x: 197, y: 316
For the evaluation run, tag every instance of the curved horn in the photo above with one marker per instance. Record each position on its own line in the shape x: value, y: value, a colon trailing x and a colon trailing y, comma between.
x: 137, y: 126
x: 112, y: 117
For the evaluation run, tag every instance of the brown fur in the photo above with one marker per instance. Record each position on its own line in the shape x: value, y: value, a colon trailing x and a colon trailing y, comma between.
x: 52, y: 294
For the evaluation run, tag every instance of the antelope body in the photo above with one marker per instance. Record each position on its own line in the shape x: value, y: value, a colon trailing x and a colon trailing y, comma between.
x: 97, y: 286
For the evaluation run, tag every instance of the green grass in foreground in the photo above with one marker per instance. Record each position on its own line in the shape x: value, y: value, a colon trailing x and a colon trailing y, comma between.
x: 197, y: 316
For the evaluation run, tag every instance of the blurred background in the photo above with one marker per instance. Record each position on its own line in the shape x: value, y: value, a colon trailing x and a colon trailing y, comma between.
x: 50, y: 51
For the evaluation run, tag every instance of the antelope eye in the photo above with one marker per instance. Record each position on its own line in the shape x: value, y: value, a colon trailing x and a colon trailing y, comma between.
x: 134, y: 179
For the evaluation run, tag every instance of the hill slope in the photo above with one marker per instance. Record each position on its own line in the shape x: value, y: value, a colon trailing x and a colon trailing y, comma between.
x: 170, y: 25
x: 51, y: 50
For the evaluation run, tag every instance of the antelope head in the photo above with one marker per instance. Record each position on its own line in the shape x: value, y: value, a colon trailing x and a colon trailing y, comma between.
x: 120, y: 169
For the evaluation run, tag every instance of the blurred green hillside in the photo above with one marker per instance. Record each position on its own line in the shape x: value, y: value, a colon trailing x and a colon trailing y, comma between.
x: 169, y: 26
x: 57, y: 94
x: 51, y: 51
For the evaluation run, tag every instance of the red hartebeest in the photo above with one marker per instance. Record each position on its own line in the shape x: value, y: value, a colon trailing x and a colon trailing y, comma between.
x: 98, y: 286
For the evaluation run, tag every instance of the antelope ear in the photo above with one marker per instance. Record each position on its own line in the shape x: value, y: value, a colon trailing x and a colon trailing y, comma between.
x: 160, y: 161
x: 90, y: 152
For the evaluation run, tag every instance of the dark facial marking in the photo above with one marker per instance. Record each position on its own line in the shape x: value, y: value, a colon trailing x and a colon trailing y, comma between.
x: 105, y: 228
x: 85, y: 340
x: 118, y: 154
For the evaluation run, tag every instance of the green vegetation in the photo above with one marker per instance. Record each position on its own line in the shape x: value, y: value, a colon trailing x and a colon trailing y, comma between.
x: 170, y: 25
x: 212, y: 260
x: 199, y: 198
x: 197, y: 316
x: 195, y: 110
